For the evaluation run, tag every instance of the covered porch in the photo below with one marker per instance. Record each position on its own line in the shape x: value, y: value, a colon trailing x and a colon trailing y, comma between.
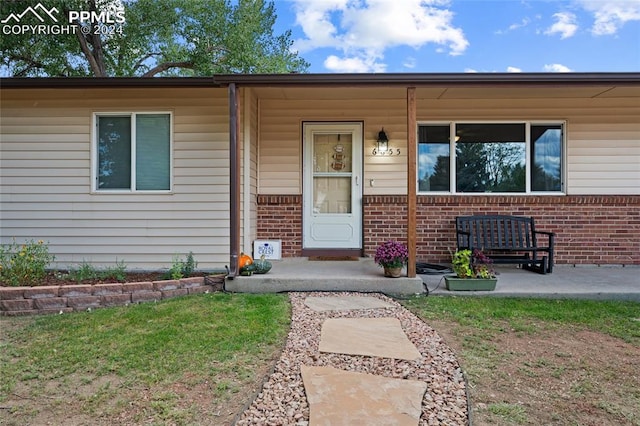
x: 363, y: 275
x: 272, y: 163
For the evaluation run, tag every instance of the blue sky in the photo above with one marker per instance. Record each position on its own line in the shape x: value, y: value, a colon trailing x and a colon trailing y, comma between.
x: 464, y: 35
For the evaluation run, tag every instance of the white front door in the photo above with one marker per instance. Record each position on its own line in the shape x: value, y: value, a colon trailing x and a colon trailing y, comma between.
x: 332, y: 186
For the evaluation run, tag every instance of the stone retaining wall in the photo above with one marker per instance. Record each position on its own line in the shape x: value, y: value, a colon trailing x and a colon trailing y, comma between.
x: 16, y: 301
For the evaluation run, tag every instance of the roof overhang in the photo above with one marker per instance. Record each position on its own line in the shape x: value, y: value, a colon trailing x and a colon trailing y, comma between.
x: 324, y: 80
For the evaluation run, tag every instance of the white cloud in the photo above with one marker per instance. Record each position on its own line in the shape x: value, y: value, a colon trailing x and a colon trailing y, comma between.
x: 364, y: 29
x: 516, y: 26
x: 565, y: 25
x: 522, y: 24
x: 409, y: 62
x: 611, y: 15
x: 352, y: 65
x: 513, y: 69
x: 556, y: 68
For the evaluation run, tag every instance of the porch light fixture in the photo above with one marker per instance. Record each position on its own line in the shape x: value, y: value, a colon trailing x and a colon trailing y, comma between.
x: 382, y: 145
x: 383, y: 142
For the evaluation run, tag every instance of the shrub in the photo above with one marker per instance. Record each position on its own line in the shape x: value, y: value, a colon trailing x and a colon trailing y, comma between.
x: 182, y: 268
x: 87, y: 272
x: 24, y: 264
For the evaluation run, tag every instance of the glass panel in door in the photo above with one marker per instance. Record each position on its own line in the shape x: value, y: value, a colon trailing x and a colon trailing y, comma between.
x: 332, y: 168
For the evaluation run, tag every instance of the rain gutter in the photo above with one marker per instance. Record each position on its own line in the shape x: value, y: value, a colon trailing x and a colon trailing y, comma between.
x: 293, y: 79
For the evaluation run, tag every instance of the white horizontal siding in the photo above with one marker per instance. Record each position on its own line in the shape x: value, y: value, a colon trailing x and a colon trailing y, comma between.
x: 604, y: 155
x: 45, y: 179
x: 603, y: 133
x: 280, y: 153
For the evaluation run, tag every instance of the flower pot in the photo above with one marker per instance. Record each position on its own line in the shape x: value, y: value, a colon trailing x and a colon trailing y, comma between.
x: 470, y: 284
x: 393, y: 272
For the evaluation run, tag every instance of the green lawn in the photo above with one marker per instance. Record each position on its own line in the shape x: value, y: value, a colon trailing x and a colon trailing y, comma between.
x: 198, y: 359
x: 616, y: 318
x: 541, y: 361
x: 216, y: 339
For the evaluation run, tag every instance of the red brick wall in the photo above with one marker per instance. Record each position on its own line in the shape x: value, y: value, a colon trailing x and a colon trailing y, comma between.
x: 280, y: 218
x: 384, y: 219
x: 590, y: 229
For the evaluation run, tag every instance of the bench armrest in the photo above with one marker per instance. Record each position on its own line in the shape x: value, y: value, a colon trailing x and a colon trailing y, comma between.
x: 551, y: 234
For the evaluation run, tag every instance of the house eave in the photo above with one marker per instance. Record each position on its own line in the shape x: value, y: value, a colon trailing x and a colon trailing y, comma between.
x: 103, y: 82
x: 429, y: 79
x: 335, y: 80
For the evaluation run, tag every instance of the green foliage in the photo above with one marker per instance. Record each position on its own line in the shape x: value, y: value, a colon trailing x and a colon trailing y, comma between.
x: 158, y: 38
x: 467, y: 264
x: 88, y: 272
x: 461, y: 264
x: 85, y: 271
x: 24, y: 264
x: 117, y: 272
x: 182, y: 268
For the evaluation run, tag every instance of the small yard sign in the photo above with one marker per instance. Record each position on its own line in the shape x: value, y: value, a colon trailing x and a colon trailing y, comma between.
x: 270, y: 249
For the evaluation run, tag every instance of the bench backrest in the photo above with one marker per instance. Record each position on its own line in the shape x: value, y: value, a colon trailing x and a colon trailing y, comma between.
x: 496, y: 232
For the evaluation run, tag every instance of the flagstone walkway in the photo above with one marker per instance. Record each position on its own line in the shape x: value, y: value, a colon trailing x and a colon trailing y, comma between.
x: 354, y: 359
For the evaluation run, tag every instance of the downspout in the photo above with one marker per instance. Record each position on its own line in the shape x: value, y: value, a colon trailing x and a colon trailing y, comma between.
x: 234, y: 182
x: 246, y: 176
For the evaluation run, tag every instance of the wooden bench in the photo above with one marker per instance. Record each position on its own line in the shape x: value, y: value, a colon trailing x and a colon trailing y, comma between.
x: 507, y: 239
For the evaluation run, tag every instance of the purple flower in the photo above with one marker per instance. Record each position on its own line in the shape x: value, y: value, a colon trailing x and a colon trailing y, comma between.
x: 391, y: 254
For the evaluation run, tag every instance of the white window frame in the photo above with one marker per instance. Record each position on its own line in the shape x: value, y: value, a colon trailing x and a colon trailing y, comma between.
x: 94, y: 152
x: 528, y: 124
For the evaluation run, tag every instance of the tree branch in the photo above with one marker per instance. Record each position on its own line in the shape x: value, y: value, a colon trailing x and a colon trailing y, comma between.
x: 138, y: 64
x: 96, y: 42
x: 30, y: 64
x: 166, y: 65
x: 88, y: 53
x: 95, y: 57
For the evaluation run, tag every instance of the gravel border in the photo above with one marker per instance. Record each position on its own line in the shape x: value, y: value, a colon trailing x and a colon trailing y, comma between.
x: 282, y: 400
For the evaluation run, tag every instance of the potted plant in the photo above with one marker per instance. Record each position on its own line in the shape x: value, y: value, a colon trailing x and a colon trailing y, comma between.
x: 474, y: 271
x: 392, y: 256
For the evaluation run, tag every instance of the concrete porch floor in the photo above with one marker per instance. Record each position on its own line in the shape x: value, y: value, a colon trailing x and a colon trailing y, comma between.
x: 363, y: 275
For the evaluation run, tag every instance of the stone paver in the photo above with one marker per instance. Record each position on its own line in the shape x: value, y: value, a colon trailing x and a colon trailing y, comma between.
x: 381, y: 337
x: 344, y: 303
x: 338, y: 397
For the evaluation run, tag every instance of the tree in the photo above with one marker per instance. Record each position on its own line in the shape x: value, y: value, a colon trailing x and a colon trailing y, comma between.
x: 503, y: 160
x: 144, y: 38
x: 471, y: 167
x: 439, y: 179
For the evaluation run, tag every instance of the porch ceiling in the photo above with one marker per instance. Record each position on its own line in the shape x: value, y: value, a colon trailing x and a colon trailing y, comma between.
x: 448, y: 92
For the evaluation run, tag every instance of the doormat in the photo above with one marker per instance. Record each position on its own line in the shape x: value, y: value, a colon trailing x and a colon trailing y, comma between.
x: 334, y: 258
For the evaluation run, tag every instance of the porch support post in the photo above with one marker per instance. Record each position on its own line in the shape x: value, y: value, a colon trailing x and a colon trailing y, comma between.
x: 234, y: 181
x: 412, y: 149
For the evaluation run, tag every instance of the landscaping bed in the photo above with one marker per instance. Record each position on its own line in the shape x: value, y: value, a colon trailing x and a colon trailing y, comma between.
x: 60, y: 295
